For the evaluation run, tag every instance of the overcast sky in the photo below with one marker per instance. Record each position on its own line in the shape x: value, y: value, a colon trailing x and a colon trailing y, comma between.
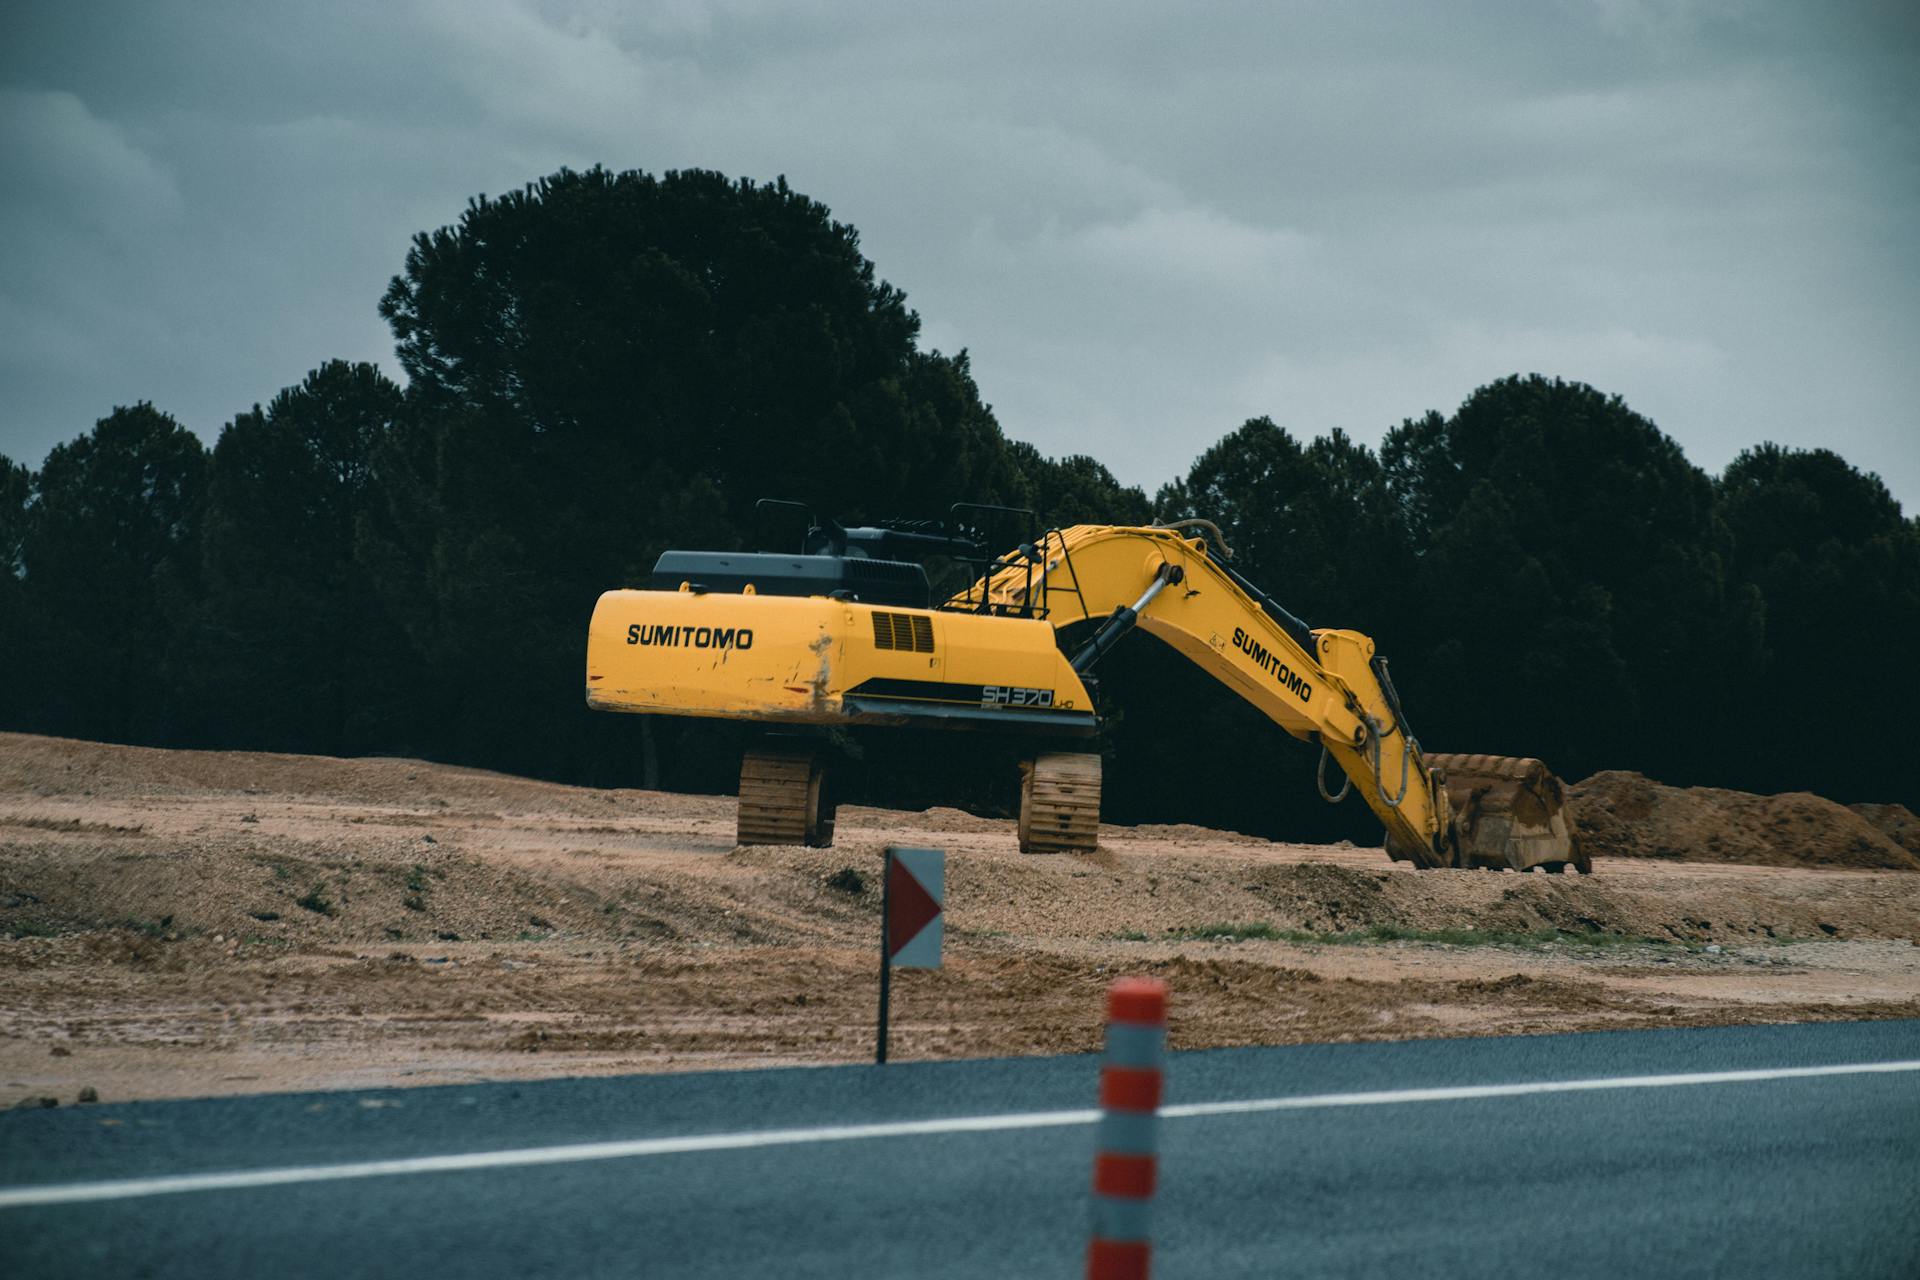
x: 1147, y: 223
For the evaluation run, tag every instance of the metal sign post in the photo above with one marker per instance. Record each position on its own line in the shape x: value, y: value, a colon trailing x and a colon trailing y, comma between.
x: 886, y: 958
x: 912, y: 928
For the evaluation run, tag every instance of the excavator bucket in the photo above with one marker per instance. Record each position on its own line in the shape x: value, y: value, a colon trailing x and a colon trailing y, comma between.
x: 1510, y: 811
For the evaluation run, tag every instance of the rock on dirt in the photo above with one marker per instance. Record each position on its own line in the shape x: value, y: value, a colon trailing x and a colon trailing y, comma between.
x: 1628, y: 815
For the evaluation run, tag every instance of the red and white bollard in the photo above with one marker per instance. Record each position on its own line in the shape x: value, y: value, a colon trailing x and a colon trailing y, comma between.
x: 1126, y: 1160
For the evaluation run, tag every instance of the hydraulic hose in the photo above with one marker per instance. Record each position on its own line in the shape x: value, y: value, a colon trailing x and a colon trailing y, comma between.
x: 1226, y: 552
x: 1320, y: 780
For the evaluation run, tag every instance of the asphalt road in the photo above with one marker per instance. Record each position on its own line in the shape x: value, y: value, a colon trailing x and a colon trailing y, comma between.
x: 1802, y: 1176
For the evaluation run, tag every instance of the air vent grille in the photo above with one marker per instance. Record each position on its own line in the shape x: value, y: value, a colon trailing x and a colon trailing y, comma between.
x: 912, y: 632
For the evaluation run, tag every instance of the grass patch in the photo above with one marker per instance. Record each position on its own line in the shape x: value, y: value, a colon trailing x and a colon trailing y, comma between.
x: 149, y: 928
x: 1532, y: 939
x: 1500, y: 937
x: 1256, y: 932
x: 419, y: 878
x: 31, y: 929
x: 847, y: 880
x: 315, y: 902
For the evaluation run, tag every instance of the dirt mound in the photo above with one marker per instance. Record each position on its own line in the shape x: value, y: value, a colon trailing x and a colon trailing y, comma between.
x: 62, y: 767
x: 1627, y: 815
x: 1896, y: 820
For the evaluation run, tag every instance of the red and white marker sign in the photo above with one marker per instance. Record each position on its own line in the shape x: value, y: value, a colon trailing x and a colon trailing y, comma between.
x: 915, y: 894
x: 1127, y: 1164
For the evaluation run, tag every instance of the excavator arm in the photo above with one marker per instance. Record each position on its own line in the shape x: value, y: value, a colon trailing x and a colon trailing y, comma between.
x: 1321, y: 685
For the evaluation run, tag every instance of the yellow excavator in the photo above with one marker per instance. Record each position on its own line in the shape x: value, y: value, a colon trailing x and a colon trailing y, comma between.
x: 848, y: 632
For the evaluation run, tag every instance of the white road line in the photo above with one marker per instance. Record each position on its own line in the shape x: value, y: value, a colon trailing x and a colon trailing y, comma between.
x: 130, y: 1188
x: 69, y: 1193
x: 1459, y: 1093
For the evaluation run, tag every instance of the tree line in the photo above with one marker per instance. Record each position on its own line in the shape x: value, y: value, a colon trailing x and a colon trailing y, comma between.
x: 604, y: 365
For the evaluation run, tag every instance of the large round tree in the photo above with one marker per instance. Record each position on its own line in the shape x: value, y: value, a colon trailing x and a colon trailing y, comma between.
x: 605, y: 364
x: 689, y: 322
x: 1572, y: 583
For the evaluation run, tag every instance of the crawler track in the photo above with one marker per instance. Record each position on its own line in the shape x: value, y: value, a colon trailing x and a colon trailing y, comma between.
x: 1060, y: 803
x: 780, y: 798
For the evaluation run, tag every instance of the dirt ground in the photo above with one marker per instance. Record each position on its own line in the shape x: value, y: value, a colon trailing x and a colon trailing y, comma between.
x: 193, y: 923
x: 1627, y: 815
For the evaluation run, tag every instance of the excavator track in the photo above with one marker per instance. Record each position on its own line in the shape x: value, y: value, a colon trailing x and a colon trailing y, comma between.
x: 1512, y: 812
x: 781, y: 798
x: 1060, y: 803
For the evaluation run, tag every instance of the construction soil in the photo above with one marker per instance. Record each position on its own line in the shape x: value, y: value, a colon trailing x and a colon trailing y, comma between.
x: 1624, y: 815
x: 193, y: 923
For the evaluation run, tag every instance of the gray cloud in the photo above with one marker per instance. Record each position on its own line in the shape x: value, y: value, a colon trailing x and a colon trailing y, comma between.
x: 1145, y: 224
